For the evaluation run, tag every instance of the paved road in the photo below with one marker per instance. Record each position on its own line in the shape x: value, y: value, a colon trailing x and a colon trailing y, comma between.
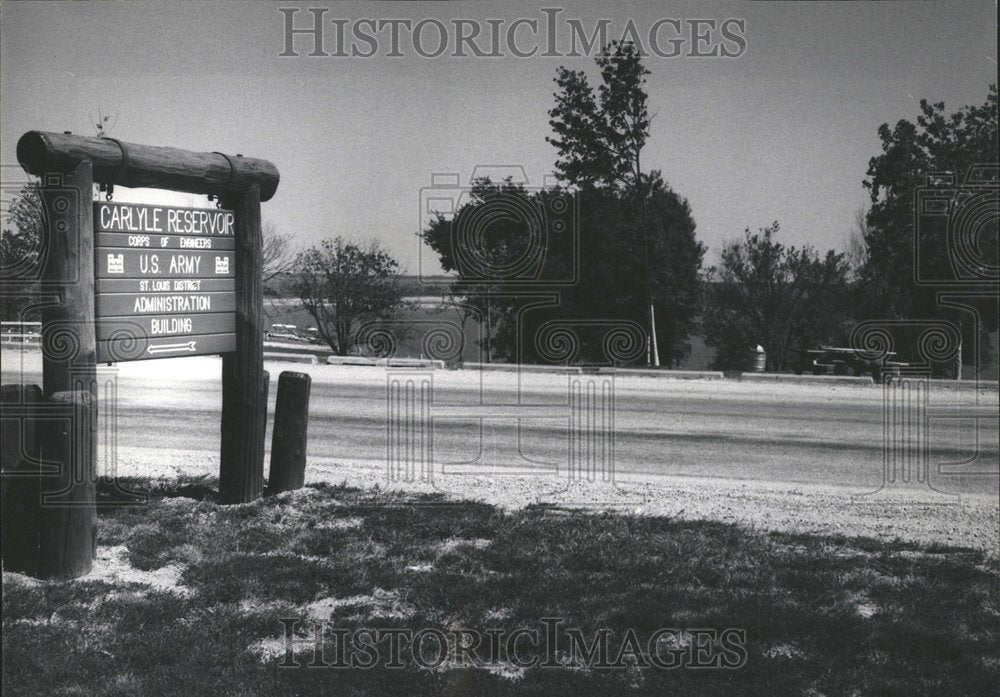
x: 167, y: 414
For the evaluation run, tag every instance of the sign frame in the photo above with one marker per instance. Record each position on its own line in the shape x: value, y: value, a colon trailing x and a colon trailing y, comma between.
x: 150, y: 262
x: 68, y: 167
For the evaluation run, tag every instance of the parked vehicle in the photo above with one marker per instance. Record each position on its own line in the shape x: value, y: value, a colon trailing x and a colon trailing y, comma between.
x: 849, y: 361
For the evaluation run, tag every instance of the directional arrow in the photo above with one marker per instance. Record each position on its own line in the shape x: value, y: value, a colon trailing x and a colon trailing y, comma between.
x: 178, y: 346
x: 168, y: 348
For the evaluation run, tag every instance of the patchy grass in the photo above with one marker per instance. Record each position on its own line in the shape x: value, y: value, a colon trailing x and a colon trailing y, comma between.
x: 196, y: 607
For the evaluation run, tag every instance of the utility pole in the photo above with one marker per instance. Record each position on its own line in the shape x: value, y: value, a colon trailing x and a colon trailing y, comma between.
x: 958, y: 373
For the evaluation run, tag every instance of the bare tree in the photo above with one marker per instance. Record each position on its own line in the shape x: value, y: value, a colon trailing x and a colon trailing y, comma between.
x: 277, y: 252
x: 342, y: 285
x: 856, y: 242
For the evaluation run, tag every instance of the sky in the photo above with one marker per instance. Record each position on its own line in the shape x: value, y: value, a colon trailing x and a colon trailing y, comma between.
x: 783, y: 131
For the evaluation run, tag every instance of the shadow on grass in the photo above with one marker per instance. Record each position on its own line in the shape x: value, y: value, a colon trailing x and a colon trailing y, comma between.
x: 821, y: 615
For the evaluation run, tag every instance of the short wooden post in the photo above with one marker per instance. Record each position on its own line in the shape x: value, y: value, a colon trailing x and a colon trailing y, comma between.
x: 55, y: 531
x: 291, y: 424
x: 244, y: 396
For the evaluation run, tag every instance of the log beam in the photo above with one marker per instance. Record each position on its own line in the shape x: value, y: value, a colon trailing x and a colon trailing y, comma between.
x: 133, y: 165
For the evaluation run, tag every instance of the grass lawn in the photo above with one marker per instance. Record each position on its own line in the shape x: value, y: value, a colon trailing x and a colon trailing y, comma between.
x: 207, y: 587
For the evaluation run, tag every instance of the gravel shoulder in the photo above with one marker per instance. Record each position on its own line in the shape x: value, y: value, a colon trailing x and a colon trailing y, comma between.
x: 911, y: 515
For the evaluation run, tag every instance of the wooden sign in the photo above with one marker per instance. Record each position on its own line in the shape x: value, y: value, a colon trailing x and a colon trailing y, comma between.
x: 165, y: 281
x: 69, y: 166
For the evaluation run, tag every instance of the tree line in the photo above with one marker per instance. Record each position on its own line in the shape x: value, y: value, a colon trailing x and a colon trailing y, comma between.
x: 612, y: 244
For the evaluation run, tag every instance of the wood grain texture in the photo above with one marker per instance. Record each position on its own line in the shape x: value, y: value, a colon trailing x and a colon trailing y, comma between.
x: 155, y: 166
x: 244, y: 385
x: 50, y: 530
x: 19, y: 487
x: 69, y: 348
x: 290, y: 434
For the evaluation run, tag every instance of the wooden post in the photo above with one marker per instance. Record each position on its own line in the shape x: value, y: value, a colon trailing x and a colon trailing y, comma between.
x: 67, y: 540
x: 69, y: 347
x: 17, y: 428
x: 53, y: 526
x: 291, y: 424
x: 55, y: 517
x: 18, y: 455
x: 244, y: 392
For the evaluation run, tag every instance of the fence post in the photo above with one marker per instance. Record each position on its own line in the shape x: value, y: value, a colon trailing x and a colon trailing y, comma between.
x: 291, y: 425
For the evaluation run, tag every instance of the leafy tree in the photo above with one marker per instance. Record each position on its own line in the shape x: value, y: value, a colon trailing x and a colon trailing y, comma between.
x: 21, y: 237
x: 608, y: 253
x: 483, y: 243
x: 600, y: 138
x: 20, y: 244
x: 783, y: 298
x: 342, y: 285
x: 22, y: 227
x: 937, y: 147
x: 675, y: 257
x: 612, y: 250
x: 631, y: 246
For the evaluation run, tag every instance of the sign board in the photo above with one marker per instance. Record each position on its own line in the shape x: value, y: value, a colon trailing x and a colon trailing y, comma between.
x: 165, y: 281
